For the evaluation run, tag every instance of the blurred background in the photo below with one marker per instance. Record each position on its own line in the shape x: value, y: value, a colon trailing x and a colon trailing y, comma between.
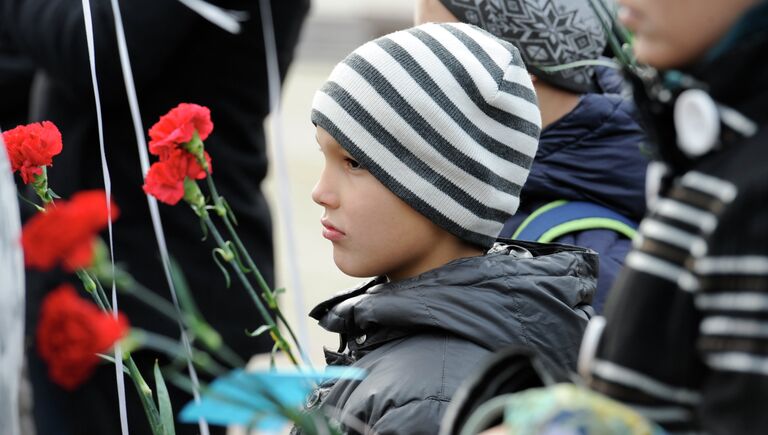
x: 333, y: 29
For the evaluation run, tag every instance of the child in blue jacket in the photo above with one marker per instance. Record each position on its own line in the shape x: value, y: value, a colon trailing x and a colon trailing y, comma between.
x: 589, y: 150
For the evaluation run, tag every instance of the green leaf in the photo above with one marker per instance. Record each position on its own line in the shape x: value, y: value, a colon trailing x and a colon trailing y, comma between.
x: 112, y: 360
x: 204, y: 229
x: 237, y: 257
x: 269, y: 298
x: 188, y: 305
x: 220, y: 251
x: 230, y: 213
x: 145, y: 395
x: 272, y: 354
x: 24, y: 199
x: 164, y: 402
x: 260, y: 330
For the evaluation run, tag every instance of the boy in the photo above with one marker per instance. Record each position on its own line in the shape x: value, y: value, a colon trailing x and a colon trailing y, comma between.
x: 685, y: 338
x: 428, y: 135
x: 589, y: 148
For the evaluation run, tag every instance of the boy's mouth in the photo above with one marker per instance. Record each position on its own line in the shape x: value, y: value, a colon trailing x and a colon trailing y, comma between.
x: 330, y: 232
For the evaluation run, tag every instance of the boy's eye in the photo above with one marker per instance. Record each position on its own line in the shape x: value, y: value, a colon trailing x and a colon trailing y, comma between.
x: 354, y: 164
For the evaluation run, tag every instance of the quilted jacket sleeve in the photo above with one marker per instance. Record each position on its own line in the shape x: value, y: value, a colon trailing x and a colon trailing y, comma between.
x: 413, y: 418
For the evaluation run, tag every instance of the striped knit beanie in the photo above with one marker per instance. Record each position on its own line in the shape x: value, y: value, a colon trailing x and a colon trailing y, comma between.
x: 444, y: 116
x: 547, y: 32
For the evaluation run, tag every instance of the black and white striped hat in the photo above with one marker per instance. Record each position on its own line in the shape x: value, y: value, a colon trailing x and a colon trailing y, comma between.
x: 445, y: 116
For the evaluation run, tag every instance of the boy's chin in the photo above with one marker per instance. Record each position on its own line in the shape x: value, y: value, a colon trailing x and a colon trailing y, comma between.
x: 662, y: 54
x: 353, y: 270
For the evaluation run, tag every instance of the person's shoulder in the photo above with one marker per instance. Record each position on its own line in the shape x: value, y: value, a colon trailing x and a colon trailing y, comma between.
x: 737, y: 164
x: 730, y: 187
x: 420, y: 354
x: 419, y: 367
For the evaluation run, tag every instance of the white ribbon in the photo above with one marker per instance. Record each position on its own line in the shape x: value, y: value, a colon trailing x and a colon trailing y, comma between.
x: 227, y: 20
x: 108, y: 191
x: 138, y: 128
x: 284, y: 182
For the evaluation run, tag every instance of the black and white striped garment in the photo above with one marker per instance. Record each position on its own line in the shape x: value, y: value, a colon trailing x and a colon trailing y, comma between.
x: 685, y: 340
x: 445, y: 116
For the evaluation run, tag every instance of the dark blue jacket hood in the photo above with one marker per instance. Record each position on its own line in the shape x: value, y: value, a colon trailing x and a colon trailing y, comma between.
x: 592, y: 154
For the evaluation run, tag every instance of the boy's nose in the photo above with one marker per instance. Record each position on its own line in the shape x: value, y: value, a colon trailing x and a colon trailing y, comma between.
x: 323, y: 196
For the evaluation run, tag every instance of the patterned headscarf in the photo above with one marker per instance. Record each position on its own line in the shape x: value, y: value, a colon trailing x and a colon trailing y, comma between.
x: 547, y: 32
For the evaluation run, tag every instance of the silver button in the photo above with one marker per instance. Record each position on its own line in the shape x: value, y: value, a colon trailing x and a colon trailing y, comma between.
x: 360, y: 339
x: 313, y: 399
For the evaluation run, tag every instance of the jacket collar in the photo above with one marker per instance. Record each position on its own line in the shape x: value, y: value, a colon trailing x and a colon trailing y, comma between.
x: 470, y: 297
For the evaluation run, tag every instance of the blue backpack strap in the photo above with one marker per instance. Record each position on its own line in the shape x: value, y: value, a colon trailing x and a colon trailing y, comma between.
x: 558, y: 218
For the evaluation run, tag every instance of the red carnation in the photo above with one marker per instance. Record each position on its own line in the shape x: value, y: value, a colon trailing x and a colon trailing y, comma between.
x: 165, y: 179
x: 70, y: 333
x: 32, y: 146
x: 66, y: 232
x: 177, y: 127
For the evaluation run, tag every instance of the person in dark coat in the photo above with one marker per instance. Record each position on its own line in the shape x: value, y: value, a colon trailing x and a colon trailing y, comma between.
x: 589, y: 148
x: 16, y: 74
x: 684, y: 338
x: 428, y: 135
x: 177, y: 56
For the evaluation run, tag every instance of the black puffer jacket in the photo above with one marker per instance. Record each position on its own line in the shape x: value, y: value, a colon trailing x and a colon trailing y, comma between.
x: 685, y: 335
x: 420, y: 337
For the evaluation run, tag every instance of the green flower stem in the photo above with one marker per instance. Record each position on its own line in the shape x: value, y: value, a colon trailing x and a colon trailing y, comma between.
x: 616, y: 46
x: 155, y: 341
x: 262, y: 283
x: 198, y: 326
x: 196, y: 147
x: 274, y: 330
x: 126, y: 283
x: 100, y: 291
x: 94, y: 288
x: 172, y: 348
x: 150, y: 298
x: 40, y: 186
x: 269, y: 294
x: 217, y: 199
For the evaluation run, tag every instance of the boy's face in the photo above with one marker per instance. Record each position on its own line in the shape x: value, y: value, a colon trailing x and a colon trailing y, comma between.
x: 372, y: 230
x: 675, y: 33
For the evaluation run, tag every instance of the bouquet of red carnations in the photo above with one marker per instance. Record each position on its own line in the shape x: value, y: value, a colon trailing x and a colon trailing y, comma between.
x: 74, y: 334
